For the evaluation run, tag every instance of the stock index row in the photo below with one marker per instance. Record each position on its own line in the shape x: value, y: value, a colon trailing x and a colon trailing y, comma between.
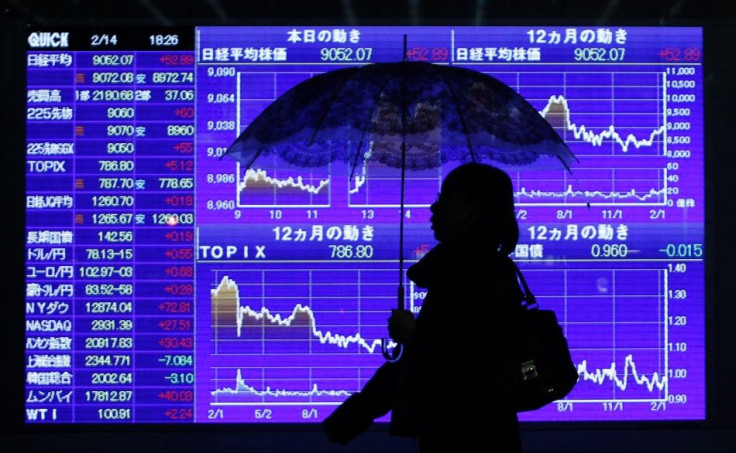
x: 166, y: 284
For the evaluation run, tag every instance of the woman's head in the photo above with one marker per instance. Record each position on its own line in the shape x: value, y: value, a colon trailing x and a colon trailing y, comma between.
x: 476, y: 204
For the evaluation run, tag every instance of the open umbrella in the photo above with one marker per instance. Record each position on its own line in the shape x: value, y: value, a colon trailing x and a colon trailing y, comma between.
x: 409, y: 115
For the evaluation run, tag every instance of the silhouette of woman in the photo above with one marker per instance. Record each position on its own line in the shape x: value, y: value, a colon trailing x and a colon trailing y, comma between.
x: 450, y: 393
x: 447, y: 390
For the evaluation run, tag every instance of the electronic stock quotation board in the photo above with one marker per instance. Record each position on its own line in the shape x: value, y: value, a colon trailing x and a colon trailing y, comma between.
x: 165, y: 284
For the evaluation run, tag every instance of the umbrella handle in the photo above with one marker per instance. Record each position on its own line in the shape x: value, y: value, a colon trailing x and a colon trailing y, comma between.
x: 391, y: 356
x: 395, y: 354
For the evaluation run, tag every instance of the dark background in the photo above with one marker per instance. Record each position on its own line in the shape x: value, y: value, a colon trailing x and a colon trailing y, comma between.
x: 716, y: 434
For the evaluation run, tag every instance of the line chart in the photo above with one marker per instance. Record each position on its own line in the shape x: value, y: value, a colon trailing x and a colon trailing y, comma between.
x: 610, y: 120
x: 604, y: 187
x: 619, y: 187
x: 289, y: 323
x: 557, y: 113
x: 621, y: 380
x: 226, y: 303
x: 616, y: 330
x: 599, y: 113
x: 277, y: 184
x: 374, y: 185
x: 282, y: 188
x: 242, y: 391
x: 624, y: 111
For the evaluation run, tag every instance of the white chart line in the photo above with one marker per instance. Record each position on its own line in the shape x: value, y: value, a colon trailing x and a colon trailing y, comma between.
x: 655, y: 382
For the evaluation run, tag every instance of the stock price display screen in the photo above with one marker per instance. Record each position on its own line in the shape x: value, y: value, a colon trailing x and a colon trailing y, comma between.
x: 165, y: 283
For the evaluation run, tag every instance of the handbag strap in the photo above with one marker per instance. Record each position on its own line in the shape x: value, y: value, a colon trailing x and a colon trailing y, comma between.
x: 529, y: 300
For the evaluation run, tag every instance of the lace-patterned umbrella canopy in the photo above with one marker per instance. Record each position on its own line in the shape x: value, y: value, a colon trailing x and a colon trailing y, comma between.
x: 409, y: 115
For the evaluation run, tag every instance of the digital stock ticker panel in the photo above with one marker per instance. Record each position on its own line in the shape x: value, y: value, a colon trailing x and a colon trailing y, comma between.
x: 165, y: 283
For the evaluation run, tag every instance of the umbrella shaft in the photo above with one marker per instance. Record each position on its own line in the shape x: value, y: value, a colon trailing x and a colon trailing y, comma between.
x: 401, y: 227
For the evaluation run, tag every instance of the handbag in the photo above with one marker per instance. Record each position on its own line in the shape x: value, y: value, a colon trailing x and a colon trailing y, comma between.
x: 543, y: 370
